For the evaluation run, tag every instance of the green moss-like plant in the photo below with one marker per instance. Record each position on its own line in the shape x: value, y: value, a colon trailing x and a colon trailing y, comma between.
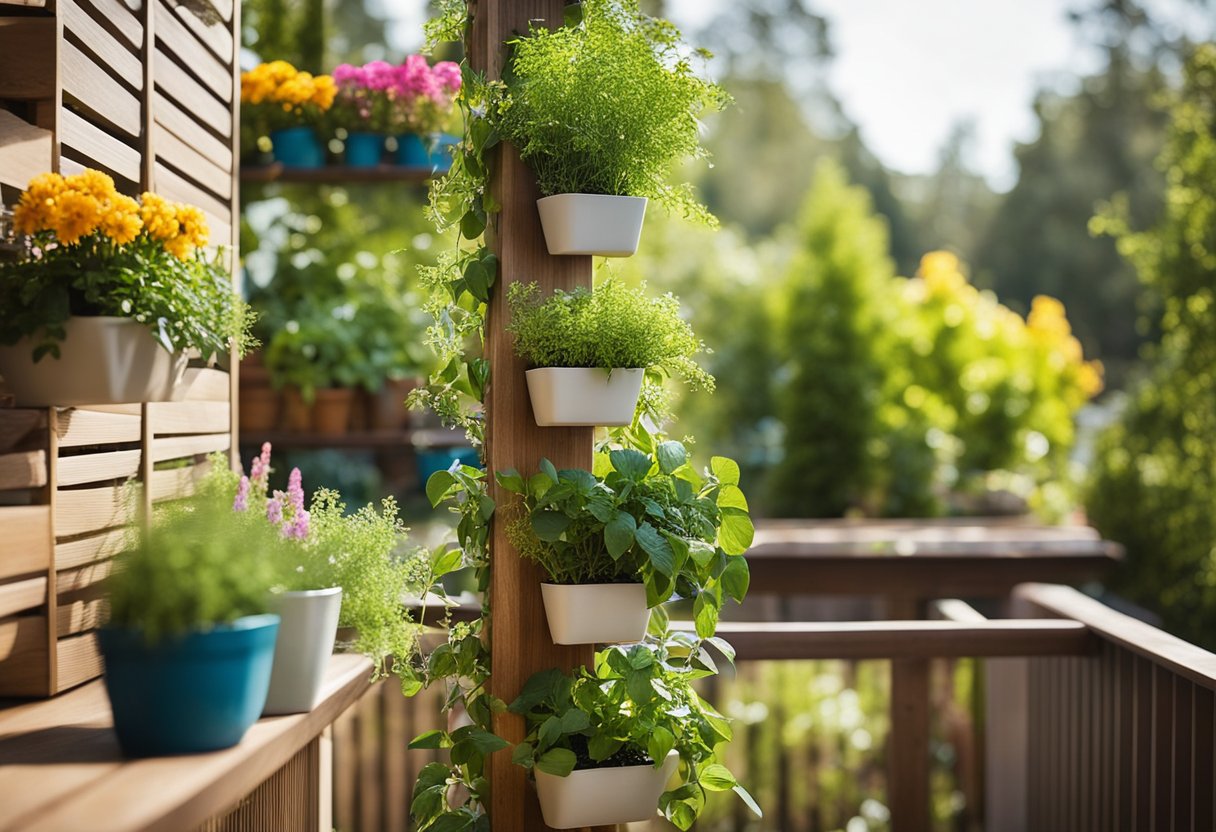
x: 608, y: 106
x: 614, y: 326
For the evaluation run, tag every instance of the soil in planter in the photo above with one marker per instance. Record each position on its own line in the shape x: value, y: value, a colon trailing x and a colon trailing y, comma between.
x: 627, y: 756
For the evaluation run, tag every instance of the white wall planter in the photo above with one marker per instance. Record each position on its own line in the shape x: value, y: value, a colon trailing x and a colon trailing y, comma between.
x: 582, y: 396
x: 302, y: 649
x: 103, y: 360
x: 608, y: 226
x: 595, y: 613
x: 603, y: 796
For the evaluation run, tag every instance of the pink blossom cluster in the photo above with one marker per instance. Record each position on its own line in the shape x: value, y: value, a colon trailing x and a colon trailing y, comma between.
x: 388, y: 97
x: 285, y: 510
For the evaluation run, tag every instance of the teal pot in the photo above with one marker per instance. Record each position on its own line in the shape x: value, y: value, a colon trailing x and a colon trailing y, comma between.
x: 185, y: 694
x: 363, y: 150
x: 433, y: 151
x: 302, y: 648
x: 297, y: 147
x: 441, y: 459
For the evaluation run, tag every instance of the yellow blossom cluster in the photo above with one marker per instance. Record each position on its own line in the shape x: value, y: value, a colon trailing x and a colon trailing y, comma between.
x: 278, y: 82
x: 74, y: 207
x: 1048, y: 326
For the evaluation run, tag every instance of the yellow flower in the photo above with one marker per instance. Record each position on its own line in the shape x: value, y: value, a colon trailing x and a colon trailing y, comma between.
x: 76, y: 215
x: 122, y: 222
x: 94, y: 183
x: 941, y: 272
x: 34, y: 209
x: 180, y: 247
x: 324, y: 91
x: 193, y: 225
x: 159, y: 217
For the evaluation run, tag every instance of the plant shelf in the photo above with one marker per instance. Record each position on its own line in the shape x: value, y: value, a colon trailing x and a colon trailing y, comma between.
x: 334, y: 174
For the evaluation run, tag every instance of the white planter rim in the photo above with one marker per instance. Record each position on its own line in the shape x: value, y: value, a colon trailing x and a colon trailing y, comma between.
x: 584, y: 396
x: 309, y: 593
x: 606, y: 225
x: 604, y: 795
x: 603, y: 613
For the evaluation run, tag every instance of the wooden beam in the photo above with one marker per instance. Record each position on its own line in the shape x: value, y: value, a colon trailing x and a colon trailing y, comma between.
x: 908, y: 746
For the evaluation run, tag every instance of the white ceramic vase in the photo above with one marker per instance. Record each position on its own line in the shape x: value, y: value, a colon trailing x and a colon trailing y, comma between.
x: 582, y: 396
x: 608, y: 226
x: 103, y: 360
x: 595, y: 613
x: 302, y: 649
x: 603, y: 796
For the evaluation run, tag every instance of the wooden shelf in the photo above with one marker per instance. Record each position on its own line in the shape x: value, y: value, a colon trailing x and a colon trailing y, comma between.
x: 403, y: 439
x: 334, y: 174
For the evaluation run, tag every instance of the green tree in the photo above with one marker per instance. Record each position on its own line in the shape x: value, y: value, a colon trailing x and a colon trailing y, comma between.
x: 832, y: 338
x: 1154, y: 488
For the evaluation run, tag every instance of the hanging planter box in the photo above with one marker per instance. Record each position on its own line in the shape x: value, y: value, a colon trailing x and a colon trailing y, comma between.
x: 103, y: 360
x: 581, y: 396
x: 608, y: 226
x: 603, y: 796
x: 595, y: 613
x: 302, y: 648
x: 197, y: 692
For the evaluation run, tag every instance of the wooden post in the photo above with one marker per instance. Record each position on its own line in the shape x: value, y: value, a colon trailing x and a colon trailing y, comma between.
x: 519, y: 636
x: 908, y: 747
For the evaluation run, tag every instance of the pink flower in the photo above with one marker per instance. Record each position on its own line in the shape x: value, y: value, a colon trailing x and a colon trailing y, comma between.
x: 448, y: 75
x: 298, y: 527
x: 274, y: 508
x: 295, y: 491
x: 379, y: 75
x: 259, y: 468
x: 345, y: 74
x: 241, y: 503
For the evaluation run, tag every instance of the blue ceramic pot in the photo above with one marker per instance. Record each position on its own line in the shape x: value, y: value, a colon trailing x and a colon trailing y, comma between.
x: 196, y: 692
x: 433, y: 151
x: 363, y: 150
x: 297, y: 147
x: 440, y: 459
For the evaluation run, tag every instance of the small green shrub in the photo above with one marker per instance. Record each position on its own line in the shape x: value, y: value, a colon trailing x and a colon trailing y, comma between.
x: 608, y: 105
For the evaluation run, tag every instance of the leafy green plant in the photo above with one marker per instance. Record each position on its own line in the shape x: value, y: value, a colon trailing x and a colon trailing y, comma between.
x: 648, y: 518
x: 314, y: 352
x: 608, y: 105
x: 198, y: 565
x: 634, y: 708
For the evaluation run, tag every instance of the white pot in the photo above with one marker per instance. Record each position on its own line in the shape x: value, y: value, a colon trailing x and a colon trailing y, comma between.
x: 302, y: 649
x: 595, y: 613
x: 582, y: 396
x: 609, y: 226
x: 103, y: 360
x: 603, y: 796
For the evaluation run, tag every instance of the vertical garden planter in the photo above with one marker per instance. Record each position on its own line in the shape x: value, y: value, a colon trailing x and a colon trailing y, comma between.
x: 103, y: 360
x: 364, y: 150
x: 607, y: 226
x: 582, y: 396
x: 297, y: 147
x: 595, y: 613
x: 603, y: 796
x: 197, y: 692
x: 302, y: 648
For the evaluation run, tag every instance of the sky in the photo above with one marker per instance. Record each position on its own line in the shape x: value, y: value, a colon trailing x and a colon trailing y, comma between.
x: 907, y: 71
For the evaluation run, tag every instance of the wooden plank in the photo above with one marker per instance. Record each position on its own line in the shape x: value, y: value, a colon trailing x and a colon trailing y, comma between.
x: 85, y: 510
x: 119, y: 19
x: 99, y: 147
x: 80, y: 615
x: 27, y: 58
x: 85, y: 577
x: 176, y: 483
x: 179, y: 41
x: 188, y: 417
x: 176, y: 447
x: 86, y: 550
x: 22, y: 427
x: 78, y: 661
x: 206, y: 385
x: 167, y: 793
x: 86, y: 468
x: 25, y: 150
x: 211, y: 31
x: 1163, y: 747
x: 178, y: 122
x: 25, y: 545
x: 92, y: 88
x: 908, y: 750
x: 102, y: 42
x: 225, y: 8
x: 21, y: 595
x: 1125, y: 755
x: 23, y: 469
x: 24, y: 664
x: 189, y: 93
x: 1182, y: 776
x: 190, y: 163
x: 1007, y: 732
x: 1204, y: 772
x: 76, y: 427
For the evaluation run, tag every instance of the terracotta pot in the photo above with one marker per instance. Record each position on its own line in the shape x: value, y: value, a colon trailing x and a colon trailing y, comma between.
x: 296, y: 414
x: 388, y: 410
x: 259, y: 409
x: 331, y: 411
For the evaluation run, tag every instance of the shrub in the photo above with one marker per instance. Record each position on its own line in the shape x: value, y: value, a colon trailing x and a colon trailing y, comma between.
x: 608, y: 105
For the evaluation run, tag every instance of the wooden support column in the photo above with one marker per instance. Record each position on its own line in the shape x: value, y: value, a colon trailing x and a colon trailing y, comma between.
x: 908, y: 746
x: 519, y: 636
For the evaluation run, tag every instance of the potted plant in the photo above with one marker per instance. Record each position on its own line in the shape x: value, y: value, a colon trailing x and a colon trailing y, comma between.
x: 602, y: 110
x: 603, y: 743
x: 315, y: 361
x: 116, y: 291
x: 589, y: 351
x: 365, y: 107
x: 424, y: 99
x: 190, y: 640
x: 290, y: 104
x: 642, y: 528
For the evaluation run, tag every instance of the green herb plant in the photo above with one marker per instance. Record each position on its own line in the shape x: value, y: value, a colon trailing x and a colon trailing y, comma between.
x: 647, y: 518
x: 635, y: 707
x: 609, y: 104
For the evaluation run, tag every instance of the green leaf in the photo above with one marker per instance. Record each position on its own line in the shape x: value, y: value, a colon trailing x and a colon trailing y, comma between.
x: 702, y: 553
x: 736, y: 578
x: 572, y: 15
x: 546, y: 468
x: 432, y: 774
x: 472, y: 224
x: 478, y: 279
x: 631, y: 464
x: 510, y: 480
x: 602, y: 746
x: 437, y: 485
x: 657, y: 548
x: 429, y: 739
x: 549, y: 732
x: 619, y: 534
x: 539, y: 687
x: 659, y: 619
x: 736, y: 532
x: 726, y: 470
x: 748, y: 799
x: 523, y: 754
x: 446, y: 561
x: 729, y: 496
x: 659, y: 744
x: 724, y: 647
x: 451, y: 822
x: 671, y: 456
x: 717, y: 778
x: 575, y: 720
x: 640, y: 658
x: 482, y: 740
x: 557, y: 761
x: 705, y: 614
x: 549, y: 525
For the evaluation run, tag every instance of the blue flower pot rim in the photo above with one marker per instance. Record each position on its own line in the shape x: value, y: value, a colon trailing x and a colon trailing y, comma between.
x: 129, y: 637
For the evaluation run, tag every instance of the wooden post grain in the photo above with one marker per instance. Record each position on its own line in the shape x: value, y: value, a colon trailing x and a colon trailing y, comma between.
x: 519, y: 636
x: 908, y: 747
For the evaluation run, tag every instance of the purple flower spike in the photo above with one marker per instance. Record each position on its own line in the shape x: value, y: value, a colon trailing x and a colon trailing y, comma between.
x: 298, y: 527
x: 274, y: 508
x: 295, y: 491
x: 241, y: 503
